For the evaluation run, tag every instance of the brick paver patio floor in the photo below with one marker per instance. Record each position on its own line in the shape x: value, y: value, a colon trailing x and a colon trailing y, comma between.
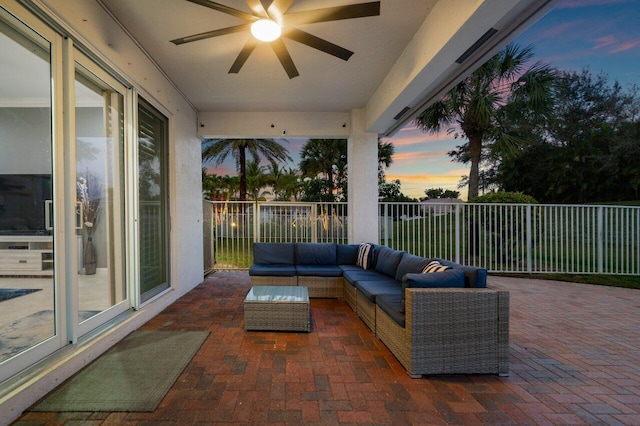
x: 575, y: 359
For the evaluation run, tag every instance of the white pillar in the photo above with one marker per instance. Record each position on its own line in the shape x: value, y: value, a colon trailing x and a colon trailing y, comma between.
x: 362, y: 157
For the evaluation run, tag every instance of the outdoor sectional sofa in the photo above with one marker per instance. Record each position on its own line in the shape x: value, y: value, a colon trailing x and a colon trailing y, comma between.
x: 444, y: 322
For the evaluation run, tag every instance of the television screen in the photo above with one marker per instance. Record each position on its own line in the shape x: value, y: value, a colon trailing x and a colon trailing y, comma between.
x: 22, y: 204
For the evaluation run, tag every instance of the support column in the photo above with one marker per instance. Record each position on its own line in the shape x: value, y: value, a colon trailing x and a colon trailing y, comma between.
x: 362, y: 158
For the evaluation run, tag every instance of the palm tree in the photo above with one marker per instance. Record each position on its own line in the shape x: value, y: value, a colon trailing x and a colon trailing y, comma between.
x: 257, y: 178
x: 385, y: 154
x: 473, y: 106
x: 328, y: 158
x: 286, y: 183
x: 220, y: 149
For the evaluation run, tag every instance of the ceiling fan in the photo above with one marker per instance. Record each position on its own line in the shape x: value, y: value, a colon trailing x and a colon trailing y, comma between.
x: 273, y: 16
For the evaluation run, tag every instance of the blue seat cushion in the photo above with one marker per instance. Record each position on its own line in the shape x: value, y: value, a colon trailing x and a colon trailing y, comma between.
x: 273, y: 253
x: 315, y: 254
x: 350, y: 267
x: 445, y: 279
x: 387, y: 260
x: 392, y: 305
x: 474, y: 277
x: 347, y: 254
x: 410, y: 264
x: 353, y: 276
x: 371, y: 289
x: 272, y: 270
x: 318, y: 271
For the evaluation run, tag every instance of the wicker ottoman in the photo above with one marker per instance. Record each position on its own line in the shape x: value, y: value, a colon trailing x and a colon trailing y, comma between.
x: 277, y: 308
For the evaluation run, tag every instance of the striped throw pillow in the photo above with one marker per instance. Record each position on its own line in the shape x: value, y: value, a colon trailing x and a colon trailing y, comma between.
x: 434, y: 266
x: 365, y: 255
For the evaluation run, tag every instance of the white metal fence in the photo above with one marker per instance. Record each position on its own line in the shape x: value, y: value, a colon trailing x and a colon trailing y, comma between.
x: 499, y: 237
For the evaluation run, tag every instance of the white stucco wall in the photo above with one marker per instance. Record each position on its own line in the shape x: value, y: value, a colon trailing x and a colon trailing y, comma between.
x: 88, y: 22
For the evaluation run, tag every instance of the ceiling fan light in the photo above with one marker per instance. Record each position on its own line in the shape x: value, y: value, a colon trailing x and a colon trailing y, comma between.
x: 266, y: 30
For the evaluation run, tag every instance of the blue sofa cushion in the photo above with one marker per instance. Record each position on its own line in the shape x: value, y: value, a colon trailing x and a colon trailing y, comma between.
x: 315, y: 254
x: 365, y: 256
x: 362, y: 275
x: 392, y: 305
x: 350, y: 268
x: 449, y: 278
x: 387, y: 260
x: 474, y: 277
x: 274, y: 253
x: 318, y: 271
x: 371, y: 289
x: 347, y: 254
x: 272, y: 270
x: 410, y: 264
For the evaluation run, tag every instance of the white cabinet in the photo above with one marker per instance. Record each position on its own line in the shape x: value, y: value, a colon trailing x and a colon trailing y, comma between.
x: 26, y: 255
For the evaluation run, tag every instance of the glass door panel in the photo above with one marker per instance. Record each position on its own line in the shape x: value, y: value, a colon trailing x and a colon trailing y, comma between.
x: 100, y: 194
x: 153, y: 201
x: 28, y: 314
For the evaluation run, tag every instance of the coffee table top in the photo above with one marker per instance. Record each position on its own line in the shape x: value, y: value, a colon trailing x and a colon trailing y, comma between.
x: 278, y: 294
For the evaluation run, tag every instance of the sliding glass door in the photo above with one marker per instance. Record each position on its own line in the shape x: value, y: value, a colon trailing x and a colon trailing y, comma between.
x: 153, y: 222
x: 99, y: 180
x: 29, y: 312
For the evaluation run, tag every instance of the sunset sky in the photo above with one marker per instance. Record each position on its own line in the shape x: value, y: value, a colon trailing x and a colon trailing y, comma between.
x: 601, y: 35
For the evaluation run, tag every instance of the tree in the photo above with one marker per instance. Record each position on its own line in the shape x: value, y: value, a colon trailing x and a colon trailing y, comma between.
x: 287, y: 184
x: 257, y: 179
x: 216, y: 187
x: 220, y: 149
x: 433, y: 193
x: 324, y: 161
x: 586, y: 151
x: 471, y: 109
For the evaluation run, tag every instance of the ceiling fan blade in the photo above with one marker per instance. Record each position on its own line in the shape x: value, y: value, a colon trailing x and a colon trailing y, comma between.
x: 211, y: 34
x: 359, y: 10
x: 243, y: 56
x: 258, y: 8
x: 285, y: 58
x: 318, y: 43
x: 225, y: 9
x: 278, y: 8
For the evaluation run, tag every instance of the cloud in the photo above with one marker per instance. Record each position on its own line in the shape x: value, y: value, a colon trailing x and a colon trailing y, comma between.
x: 414, y: 156
x: 557, y: 30
x: 452, y: 176
x: 220, y: 170
x: 626, y: 46
x: 412, y: 136
x: 604, y: 41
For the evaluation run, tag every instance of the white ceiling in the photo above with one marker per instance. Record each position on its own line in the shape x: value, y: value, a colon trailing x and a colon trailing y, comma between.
x: 403, y: 59
x: 325, y: 83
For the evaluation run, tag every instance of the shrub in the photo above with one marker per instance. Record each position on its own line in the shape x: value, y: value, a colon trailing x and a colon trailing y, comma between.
x: 504, y: 197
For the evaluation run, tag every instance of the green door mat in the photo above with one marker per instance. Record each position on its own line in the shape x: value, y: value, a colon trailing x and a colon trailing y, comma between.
x: 134, y: 375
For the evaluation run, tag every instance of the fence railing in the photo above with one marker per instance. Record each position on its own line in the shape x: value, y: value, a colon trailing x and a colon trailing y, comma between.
x: 516, y: 238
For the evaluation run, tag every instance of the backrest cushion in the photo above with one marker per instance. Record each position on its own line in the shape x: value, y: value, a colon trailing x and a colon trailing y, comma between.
x: 387, y: 260
x: 410, y: 264
x: 315, y: 254
x: 365, y: 256
x: 273, y: 253
x: 474, y: 277
x: 347, y: 254
x: 449, y: 278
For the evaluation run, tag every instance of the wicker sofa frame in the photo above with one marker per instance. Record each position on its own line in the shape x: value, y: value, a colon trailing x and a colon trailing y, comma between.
x: 446, y: 330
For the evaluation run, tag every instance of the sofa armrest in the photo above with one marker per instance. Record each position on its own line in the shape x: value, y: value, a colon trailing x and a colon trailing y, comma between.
x: 458, y: 330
